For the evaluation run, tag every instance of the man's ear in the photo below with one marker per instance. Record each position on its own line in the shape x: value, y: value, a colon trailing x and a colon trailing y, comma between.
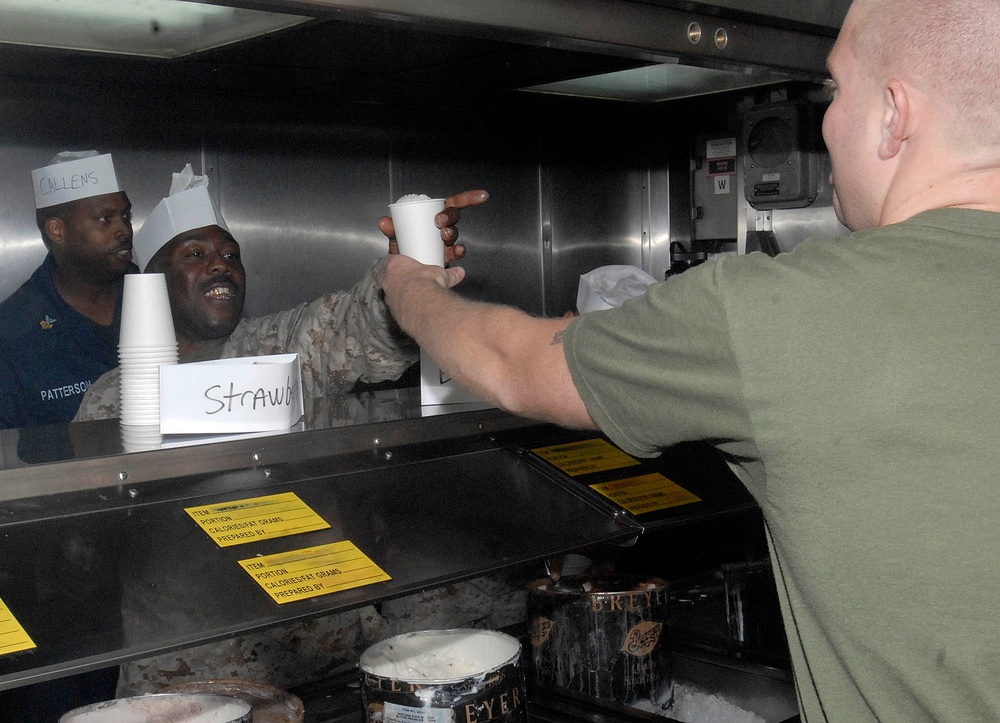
x: 896, y: 119
x: 55, y: 229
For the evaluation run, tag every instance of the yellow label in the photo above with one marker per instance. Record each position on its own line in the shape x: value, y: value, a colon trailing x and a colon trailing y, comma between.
x: 647, y: 493
x: 12, y: 636
x: 313, y: 571
x: 586, y: 457
x: 257, y: 518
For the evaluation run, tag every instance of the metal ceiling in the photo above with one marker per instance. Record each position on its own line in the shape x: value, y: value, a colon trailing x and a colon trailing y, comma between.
x: 417, y: 51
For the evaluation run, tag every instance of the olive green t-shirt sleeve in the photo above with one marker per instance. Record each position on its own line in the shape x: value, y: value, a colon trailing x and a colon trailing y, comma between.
x: 660, y: 369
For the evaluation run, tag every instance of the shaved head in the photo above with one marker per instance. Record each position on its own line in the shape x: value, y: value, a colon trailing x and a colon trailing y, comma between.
x: 950, y: 49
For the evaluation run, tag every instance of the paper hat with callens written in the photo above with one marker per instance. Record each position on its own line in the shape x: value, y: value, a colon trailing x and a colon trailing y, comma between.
x: 188, y: 206
x: 72, y: 175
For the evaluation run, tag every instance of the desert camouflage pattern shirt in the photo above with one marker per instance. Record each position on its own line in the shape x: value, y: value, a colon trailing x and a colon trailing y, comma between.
x: 340, y: 338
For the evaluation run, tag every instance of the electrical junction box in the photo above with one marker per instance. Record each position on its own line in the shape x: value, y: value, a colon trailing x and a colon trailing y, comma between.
x: 781, y: 155
x: 714, y: 191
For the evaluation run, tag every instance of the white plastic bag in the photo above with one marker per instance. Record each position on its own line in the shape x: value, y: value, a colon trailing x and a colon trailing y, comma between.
x: 609, y: 286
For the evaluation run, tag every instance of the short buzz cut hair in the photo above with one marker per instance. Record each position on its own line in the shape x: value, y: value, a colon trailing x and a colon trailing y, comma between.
x: 948, y: 48
x: 42, y: 215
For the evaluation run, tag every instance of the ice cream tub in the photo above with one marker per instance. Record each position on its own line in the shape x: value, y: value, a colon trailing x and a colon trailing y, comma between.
x: 603, y: 637
x: 269, y: 703
x: 461, y: 675
x: 159, y: 707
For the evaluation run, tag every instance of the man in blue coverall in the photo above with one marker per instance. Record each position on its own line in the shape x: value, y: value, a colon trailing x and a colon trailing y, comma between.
x: 59, y: 330
x: 58, y: 334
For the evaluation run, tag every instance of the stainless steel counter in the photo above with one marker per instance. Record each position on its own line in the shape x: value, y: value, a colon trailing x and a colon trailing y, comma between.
x: 102, y: 563
x: 99, y: 573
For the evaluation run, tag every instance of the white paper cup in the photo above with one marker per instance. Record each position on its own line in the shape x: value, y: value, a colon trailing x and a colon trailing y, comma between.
x: 140, y: 352
x: 141, y: 390
x: 140, y: 421
x: 151, y: 368
x: 139, y: 359
x: 130, y: 365
x: 140, y: 437
x: 130, y: 376
x: 137, y: 394
x: 138, y: 414
x: 131, y: 417
x: 146, y: 319
x: 141, y: 394
x: 416, y: 234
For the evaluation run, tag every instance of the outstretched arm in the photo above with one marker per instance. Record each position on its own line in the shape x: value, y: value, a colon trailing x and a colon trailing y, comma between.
x: 497, y: 352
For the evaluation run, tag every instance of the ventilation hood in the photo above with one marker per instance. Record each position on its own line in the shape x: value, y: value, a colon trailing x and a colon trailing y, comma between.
x: 153, y: 28
x: 383, y: 50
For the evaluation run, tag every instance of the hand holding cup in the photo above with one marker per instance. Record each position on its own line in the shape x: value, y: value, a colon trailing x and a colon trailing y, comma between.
x: 445, y: 221
x: 417, y: 236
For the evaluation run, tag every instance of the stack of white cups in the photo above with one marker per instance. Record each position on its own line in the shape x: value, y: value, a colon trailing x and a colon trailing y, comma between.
x: 147, y: 340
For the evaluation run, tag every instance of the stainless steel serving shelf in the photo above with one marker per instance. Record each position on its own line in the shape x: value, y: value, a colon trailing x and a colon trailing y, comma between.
x: 100, y: 562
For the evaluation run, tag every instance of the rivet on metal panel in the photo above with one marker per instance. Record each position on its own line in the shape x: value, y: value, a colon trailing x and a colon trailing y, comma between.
x: 387, y: 455
x: 267, y: 473
x: 481, y: 427
x: 721, y: 38
x: 377, y: 441
x: 694, y: 33
x: 256, y: 456
x: 133, y: 493
x: 123, y: 476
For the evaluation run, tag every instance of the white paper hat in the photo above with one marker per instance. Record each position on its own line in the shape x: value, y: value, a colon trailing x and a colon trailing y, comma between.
x: 188, y: 206
x: 72, y: 175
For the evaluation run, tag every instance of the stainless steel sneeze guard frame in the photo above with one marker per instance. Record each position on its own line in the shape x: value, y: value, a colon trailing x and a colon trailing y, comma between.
x: 642, y: 30
x: 32, y: 459
x: 100, y: 575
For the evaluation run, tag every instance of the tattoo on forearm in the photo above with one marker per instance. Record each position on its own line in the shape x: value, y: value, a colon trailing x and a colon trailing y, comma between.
x: 558, y: 338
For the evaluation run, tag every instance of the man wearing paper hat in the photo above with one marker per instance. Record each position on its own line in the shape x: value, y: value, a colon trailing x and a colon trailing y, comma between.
x: 340, y: 338
x: 59, y: 330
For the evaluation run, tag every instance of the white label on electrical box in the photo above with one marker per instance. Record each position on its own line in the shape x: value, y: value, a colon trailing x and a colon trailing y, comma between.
x: 769, y: 177
x: 720, y: 148
x: 722, y: 184
x: 395, y: 713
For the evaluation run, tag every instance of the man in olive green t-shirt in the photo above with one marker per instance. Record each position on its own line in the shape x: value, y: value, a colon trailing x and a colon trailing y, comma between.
x: 853, y: 383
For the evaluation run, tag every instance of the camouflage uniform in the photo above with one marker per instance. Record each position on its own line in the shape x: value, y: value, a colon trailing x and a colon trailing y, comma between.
x: 340, y: 338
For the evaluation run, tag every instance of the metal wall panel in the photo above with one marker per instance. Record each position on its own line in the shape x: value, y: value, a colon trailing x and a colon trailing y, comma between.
x: 39, y: 121
x: 499, y: 155
x: 574, y: 185
x: 304, y: 209
x: 303, y: 194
